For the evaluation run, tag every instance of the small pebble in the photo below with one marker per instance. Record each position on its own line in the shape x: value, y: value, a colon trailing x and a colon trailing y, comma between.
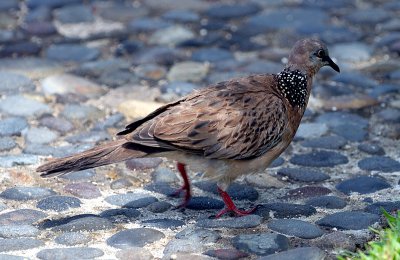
x: 137, y: 237
x: 70, y: 253
x: 58, y: 203
x: 120, y: 215
x: 294, y: 227
x: 249, y: 221
x: 164, y: 223
x: 26, y: 193
x: 18, y: 244
x: 329, y: 202
x: 21, y: 217
x: 72, y: 239
x: 261, y: 243
x: 85, y: 190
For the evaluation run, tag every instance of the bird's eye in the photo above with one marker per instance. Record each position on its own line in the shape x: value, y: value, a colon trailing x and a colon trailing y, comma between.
x: 320, y: 53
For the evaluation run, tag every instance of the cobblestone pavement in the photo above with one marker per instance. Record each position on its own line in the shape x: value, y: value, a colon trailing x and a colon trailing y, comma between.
x: 73, y: 73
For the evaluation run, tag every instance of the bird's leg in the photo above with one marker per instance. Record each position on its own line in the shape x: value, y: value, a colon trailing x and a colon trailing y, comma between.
x: 185, y: 187
x: 230, y: 206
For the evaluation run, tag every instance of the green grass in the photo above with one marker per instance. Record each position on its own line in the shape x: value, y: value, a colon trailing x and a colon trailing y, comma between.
x: 387, y: 247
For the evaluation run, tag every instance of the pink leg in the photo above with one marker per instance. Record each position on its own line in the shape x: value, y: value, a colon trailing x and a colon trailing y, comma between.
x: 185, y: 187
x: 230, y: 206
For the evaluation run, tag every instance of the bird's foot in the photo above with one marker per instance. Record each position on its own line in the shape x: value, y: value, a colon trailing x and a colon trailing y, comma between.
x: 231, y: 207
x: 185, y: 188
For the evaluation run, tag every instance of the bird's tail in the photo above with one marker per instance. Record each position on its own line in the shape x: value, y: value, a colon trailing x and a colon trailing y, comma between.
x: 111, y: 152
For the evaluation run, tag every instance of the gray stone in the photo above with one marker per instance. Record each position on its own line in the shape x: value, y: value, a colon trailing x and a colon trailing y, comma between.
x: 72, y: 52
x: 285, y: 210
x: 85, y: 190
x: 78, y: 223
x: 23, y: 106
x: 329, y: 202
x: 70, y: 253
x: 351, y: 52
x: 371, y: 149
x: 81, y: 112
x: 349, y: 220
x: 74, y: 14
x: 389, y: 206
x: 249, y: 221
x: 311, y: 130
x: 182, y: 246
x: 59, y: 124
x: 26, y: 193
x: 159, y: 206
x: 137, y: 237
x: 379, y: 163
x: 40, y: 135
x: 300, y: 253
x: 21, y: 217
x: 12, y: 126
x: 72, y: 239
x: 13, y: 231
x: 301, y: 174
x: 7, y: 143
x: 123, y: 199
x: 134, y: 253
x: 8, y: 161
x: 143, y: 163
x: 121, y: 184
x: 199, y: 235
x: 362, y: 185
x: 11, y: 257
x: 49, y: 3
x: 11, y: 83
x: 79, y: 175
x: 261, y: 243
x: 211, y: 55
x: 17, y: 244
x: 236, y: 191
x: 319, y: 159
x: 171, y: 35
x: 204, y: 203
x: 229, y: 11
x: 164, y: 223
x: 121, y: 215
x: 297, y: 228
x: 188, y: 71
x: 162, y: 174
x: 325, y: 142
x: 58, y: 203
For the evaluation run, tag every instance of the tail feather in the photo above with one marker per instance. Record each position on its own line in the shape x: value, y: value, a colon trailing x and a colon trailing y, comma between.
x: 111, y: 152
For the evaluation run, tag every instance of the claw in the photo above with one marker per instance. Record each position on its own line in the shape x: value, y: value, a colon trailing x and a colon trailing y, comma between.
x: 231, y: 207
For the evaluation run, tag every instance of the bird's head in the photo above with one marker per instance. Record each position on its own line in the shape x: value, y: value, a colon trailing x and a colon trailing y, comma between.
x: 309, y: 55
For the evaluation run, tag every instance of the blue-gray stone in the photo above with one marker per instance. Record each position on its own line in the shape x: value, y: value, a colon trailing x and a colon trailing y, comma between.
x: 140, y: 203
x: 351, y: 131
x: 111, y: 121
x: 355, y: 79
x: 329, y: 202
x: 325, y: 142
x: 368, y: 16
x: 362, y: 185
x: 70, y: 253
x: 373, y: 149
x: 297, y: 228
x: 159, y: 206
x: 55, y: 123
x: 179, y: 88
x: 21, y: 217
x: 137, y: 237
x: 204, y: 203
x: 11, y: 257
x: 72, y: 52
x: 349, y: 220
x: 89, y: 137
x: 121, y: 215
x: 211, y: 55
x: 351, y: 52
x: 261, y: 243
x: 26, y: 193
x: 80, y: 112
x: 226, y: 253
x: 248, y: 221
x: 277, y: 162
x: 5, y: 5
x: 50, y: 3
x: 7, y: 143
x: 161, y: 187
x: 123, y: 199
x: 163, y: 223
x: 281, y: 18
x: 77, y: 223
x: 12, y: 126
x: 13, y: 244
x: 122, y: 183
x: 40, y: 135
x: 285, y: 210
x: 23, y: 106
x: 227, y: 11
x: 379, y: 163
x: 307, y: 192
x: 11, y: 83
x: 199, y: 235
x: 74, y: 14
x: 59, y: 203
x: 72, y: 239
x: 389, y: 115
x: 319, y: 159
x: 79, y: 175
x: 163, y: 174
x: 8, y: 161
x: 335, y: 34
x: 13, y: 231
x: 339, y: 118
x: 236, y: 191
x: 20, y: 49
x: 40, y: 14
x: 389, y: 206
x: 147, y: 25
x: 302, y: 174
x: 182, y: 16
x: 300, y: 253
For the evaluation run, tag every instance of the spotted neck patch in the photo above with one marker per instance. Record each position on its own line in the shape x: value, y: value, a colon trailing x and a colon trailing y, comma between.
x: 293, y: 86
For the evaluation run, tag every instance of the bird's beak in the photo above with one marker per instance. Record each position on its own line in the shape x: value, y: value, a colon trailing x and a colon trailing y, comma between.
x: 330, y: 63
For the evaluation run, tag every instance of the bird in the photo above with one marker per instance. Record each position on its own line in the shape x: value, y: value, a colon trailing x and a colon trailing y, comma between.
x: 226, y: 130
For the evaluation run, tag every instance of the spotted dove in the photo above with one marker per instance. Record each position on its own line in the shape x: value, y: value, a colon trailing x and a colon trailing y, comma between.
x: 225, y: 130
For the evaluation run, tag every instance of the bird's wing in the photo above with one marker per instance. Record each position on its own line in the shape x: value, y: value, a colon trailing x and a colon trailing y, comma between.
x: 238, y: 119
